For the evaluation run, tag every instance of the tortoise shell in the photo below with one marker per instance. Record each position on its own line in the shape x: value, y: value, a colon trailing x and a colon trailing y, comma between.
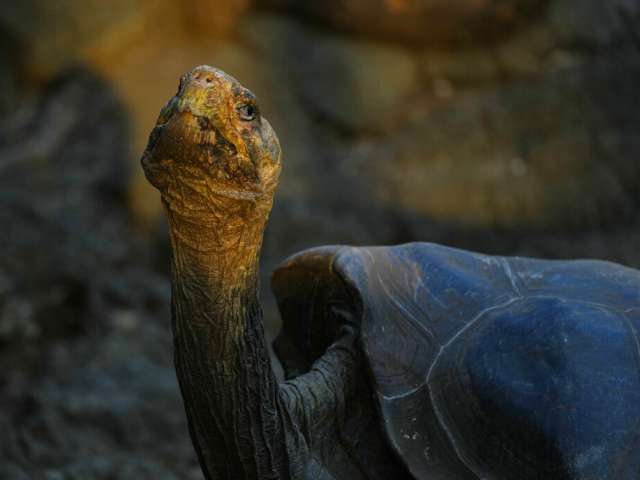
x: 482, y: 366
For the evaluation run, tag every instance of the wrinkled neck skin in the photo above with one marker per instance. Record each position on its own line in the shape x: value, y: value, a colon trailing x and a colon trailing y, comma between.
x: 242, y: 423
x: 237, y: 422
x: 215, y: 280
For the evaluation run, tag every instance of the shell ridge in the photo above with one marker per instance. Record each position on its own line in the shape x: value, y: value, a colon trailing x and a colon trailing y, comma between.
x: 464, y: 328
x: 634, y: 333
x: 406, y: 394
x: 578, y: 300
x: 510, y: 275
x: 409, y: 316
x: 441, y: 421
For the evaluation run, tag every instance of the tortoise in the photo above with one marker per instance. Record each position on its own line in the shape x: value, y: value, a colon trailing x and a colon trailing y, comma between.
x: 413, y: 361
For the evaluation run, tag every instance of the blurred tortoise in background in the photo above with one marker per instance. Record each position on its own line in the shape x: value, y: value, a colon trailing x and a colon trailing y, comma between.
x: 416, y: 361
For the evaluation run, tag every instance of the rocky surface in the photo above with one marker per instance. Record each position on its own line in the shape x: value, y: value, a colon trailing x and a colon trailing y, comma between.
x: 516, y: 134
x: 84, y: 341
x: 419, y: 21
x: 550, y: 151
x: 368, y: 88
x: 49, y: 36
x: 537, y: 131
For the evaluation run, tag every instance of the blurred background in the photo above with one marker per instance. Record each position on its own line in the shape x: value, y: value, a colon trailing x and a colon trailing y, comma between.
x: 503, y: 126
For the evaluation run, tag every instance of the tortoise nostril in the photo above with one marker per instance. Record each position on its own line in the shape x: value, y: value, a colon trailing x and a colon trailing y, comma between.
x: 209, y: 79
x: 196, y: 75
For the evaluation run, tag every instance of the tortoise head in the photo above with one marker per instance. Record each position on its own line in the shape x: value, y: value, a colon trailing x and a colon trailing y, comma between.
x: 211, y: 149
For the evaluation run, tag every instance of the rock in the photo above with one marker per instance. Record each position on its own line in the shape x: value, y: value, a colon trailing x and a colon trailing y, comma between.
x: 84, y: 325
x: 528, y: 52
x: 89, y: 415
x: 9, y: 77
x: 596, y: 24
x: 557, y: 151
x: 17, y: 319
x: 568, y: 34
x: 466, y: 67
x: 282, y: 38
x: 64, y: 164
x: 217, y: 18
x: 52, y: 35
x: 354, y: 85
x: 426, y: 22
x: 368, y: 87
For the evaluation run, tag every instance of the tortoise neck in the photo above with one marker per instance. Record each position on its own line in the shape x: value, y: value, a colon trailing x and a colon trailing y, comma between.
x: 222, y: 362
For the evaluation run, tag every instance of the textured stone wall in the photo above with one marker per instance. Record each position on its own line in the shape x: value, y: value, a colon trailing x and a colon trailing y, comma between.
x: 481, y: 113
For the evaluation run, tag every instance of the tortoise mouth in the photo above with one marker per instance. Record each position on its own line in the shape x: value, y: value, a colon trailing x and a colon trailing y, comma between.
x: 185, y: 137
x: 189, y: 150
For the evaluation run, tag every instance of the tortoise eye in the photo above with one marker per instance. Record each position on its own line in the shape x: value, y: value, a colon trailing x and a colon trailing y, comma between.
x: 247, y: 112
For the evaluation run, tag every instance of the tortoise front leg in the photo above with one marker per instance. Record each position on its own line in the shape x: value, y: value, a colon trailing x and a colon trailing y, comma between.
x: 333, y: 408
x: 317, y: 399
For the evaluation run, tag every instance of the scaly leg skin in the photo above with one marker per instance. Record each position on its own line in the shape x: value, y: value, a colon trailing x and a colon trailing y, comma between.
x: 334, y: 406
